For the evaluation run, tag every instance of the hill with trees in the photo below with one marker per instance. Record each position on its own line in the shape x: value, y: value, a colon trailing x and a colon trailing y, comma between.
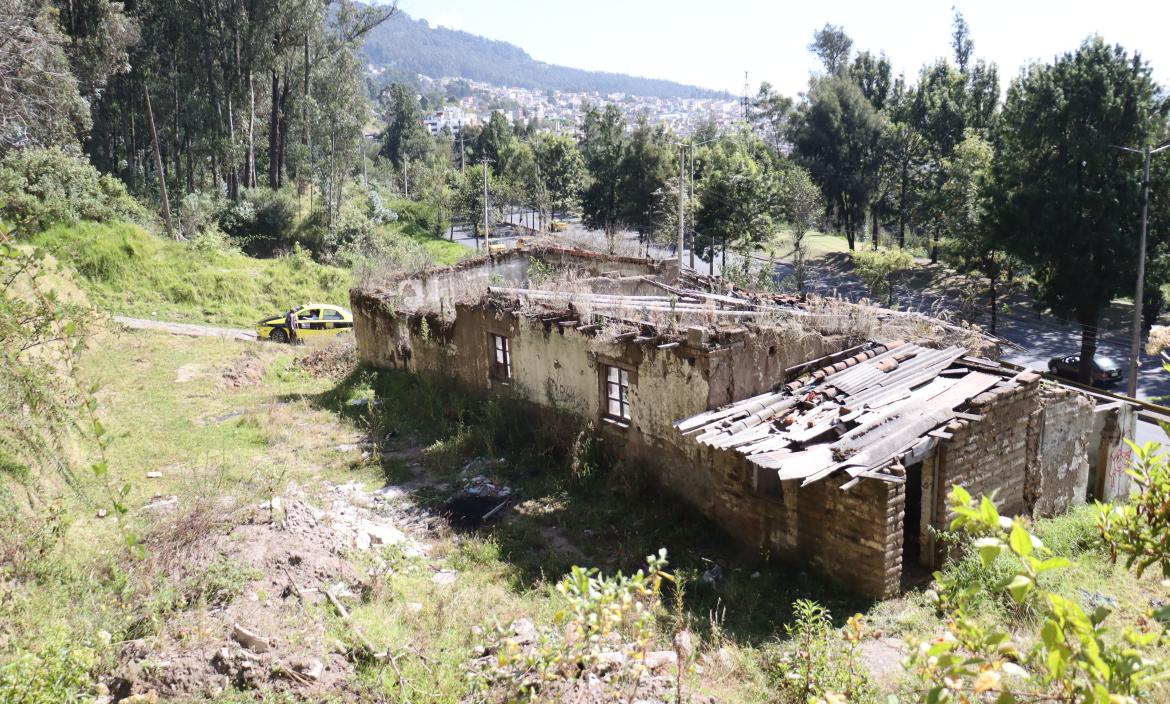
x: 409, y: 46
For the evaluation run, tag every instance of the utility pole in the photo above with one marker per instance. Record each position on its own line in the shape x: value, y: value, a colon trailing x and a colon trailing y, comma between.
x: 682, y: 160
x: 692, y: 197
x: 1135, y: 351
x: 487, y: 243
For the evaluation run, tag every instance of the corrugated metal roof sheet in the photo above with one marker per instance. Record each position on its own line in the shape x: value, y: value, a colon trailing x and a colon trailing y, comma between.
x: 860, y: 415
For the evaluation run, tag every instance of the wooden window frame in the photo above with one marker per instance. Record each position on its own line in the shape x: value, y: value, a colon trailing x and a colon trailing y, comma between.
x: 619, y: 378
x: 501, y: 347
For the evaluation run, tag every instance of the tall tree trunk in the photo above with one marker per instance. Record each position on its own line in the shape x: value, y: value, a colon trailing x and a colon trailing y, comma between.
x: 282, y: 130
x: 234, y: 171
x: 874, y: 226
x: 902, y: 204
x: 133, y: 143
x: 1088, y: 323
x: 250, y: 170
x: 992, y: 294
x: 274, y: 134
x: 158, y: 162
x: 934, y: 244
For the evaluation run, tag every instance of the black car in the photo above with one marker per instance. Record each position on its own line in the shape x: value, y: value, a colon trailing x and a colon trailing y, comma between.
x: 1105, y: 370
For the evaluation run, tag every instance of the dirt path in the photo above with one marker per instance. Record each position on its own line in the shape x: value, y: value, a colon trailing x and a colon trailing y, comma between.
x: 188, y: 329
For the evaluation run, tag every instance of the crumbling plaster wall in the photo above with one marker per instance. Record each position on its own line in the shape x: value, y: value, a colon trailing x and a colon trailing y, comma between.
x: 1030, y: 447
x: 752, y: 362
x: 1057, y: 474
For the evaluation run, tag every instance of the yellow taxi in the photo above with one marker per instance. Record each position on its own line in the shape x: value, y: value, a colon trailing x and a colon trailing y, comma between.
x: 313, y: 320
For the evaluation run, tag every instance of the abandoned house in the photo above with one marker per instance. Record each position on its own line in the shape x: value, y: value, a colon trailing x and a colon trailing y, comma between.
x: 824, y: 432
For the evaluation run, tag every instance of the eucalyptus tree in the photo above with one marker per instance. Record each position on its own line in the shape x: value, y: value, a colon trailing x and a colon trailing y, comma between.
x: 836, y: 136
x: 562, y: 170
x: 603, y: 146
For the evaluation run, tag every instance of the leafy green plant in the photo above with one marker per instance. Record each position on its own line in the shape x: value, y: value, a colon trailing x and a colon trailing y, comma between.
x: 1075, y: 656
x: 1139, y: 530
x: 820, y: 661
x: 604, y: 619
x: 57, y: 671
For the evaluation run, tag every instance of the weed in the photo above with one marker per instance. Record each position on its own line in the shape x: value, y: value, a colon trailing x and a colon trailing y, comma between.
x: 819, y: 660
x: 57, y: 671
x: 219, y: 583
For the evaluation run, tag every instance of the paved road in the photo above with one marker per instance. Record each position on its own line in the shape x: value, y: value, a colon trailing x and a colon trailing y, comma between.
x: 188, y: 329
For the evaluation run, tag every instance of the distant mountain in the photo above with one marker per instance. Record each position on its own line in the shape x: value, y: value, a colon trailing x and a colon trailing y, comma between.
x: 407, y: 46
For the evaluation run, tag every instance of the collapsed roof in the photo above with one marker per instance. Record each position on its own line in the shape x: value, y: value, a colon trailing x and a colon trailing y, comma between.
x: 868, y: 415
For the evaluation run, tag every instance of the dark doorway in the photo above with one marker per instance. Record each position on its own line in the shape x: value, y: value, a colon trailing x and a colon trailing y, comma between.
x: 912, y: 570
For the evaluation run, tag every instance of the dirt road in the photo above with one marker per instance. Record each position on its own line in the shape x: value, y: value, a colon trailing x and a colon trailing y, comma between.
x: 187, y: 329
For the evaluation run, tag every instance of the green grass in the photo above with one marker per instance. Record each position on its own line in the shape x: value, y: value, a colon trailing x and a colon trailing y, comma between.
x: 126, y: 270
x: 441, y: 250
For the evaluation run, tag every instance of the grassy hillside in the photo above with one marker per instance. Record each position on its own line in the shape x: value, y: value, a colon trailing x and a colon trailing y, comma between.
x: 442, y: 251
x: 126, y: 270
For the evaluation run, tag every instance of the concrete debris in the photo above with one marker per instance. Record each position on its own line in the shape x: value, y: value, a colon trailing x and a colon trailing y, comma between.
x: 250, y: 640
x: 444, y: 577
x: 158, y: 502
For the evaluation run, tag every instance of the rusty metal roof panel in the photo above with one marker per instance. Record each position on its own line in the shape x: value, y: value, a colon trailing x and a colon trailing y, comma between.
x: 861, y: 419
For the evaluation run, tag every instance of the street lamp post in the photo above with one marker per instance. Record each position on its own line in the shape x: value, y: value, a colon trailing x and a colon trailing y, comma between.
x: 1136, y: 341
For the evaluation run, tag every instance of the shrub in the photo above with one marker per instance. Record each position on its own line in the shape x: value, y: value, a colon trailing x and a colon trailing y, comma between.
x: 263, y: 219
x: 422, y: 214
x: 199, y: 212
x: 819, y: 661
x: 40, y: 187
x: 880, y: 270
x: 56, y: 672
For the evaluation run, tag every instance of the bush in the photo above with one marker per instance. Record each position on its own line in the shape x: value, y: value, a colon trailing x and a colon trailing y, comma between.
x: 57, y: 672
x: 199, y: 212
x: 880, y: 270
x: 41, y: 187
x: 264, y: 220
x: 421, y: 214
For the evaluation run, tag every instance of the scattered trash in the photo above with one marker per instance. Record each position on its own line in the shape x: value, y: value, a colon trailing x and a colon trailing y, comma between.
x: 102, y: 513
x: 712, y: 575
x: 154, y: 475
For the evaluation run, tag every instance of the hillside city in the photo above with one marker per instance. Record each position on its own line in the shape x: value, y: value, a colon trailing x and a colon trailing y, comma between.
x: 560, y: 112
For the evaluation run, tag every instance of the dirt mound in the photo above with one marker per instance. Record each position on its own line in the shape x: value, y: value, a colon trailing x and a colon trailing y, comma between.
x: 332, y: 361
x: 251, y: 586
x: 248, y: 370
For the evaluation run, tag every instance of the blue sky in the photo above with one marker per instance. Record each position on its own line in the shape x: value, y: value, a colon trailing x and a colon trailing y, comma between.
x: 712, y: 43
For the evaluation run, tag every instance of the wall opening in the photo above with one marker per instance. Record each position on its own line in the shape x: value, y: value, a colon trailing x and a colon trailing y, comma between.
x: 913, y: 571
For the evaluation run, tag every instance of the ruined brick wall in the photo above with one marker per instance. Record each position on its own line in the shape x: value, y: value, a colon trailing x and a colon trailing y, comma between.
x: 1030, y: 447
x: 1057, y: 475
x: 853, y: 537
x: 987, y: 455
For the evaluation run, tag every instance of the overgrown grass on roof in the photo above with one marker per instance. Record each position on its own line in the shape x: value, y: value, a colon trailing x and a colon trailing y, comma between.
x: 126, y: 270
